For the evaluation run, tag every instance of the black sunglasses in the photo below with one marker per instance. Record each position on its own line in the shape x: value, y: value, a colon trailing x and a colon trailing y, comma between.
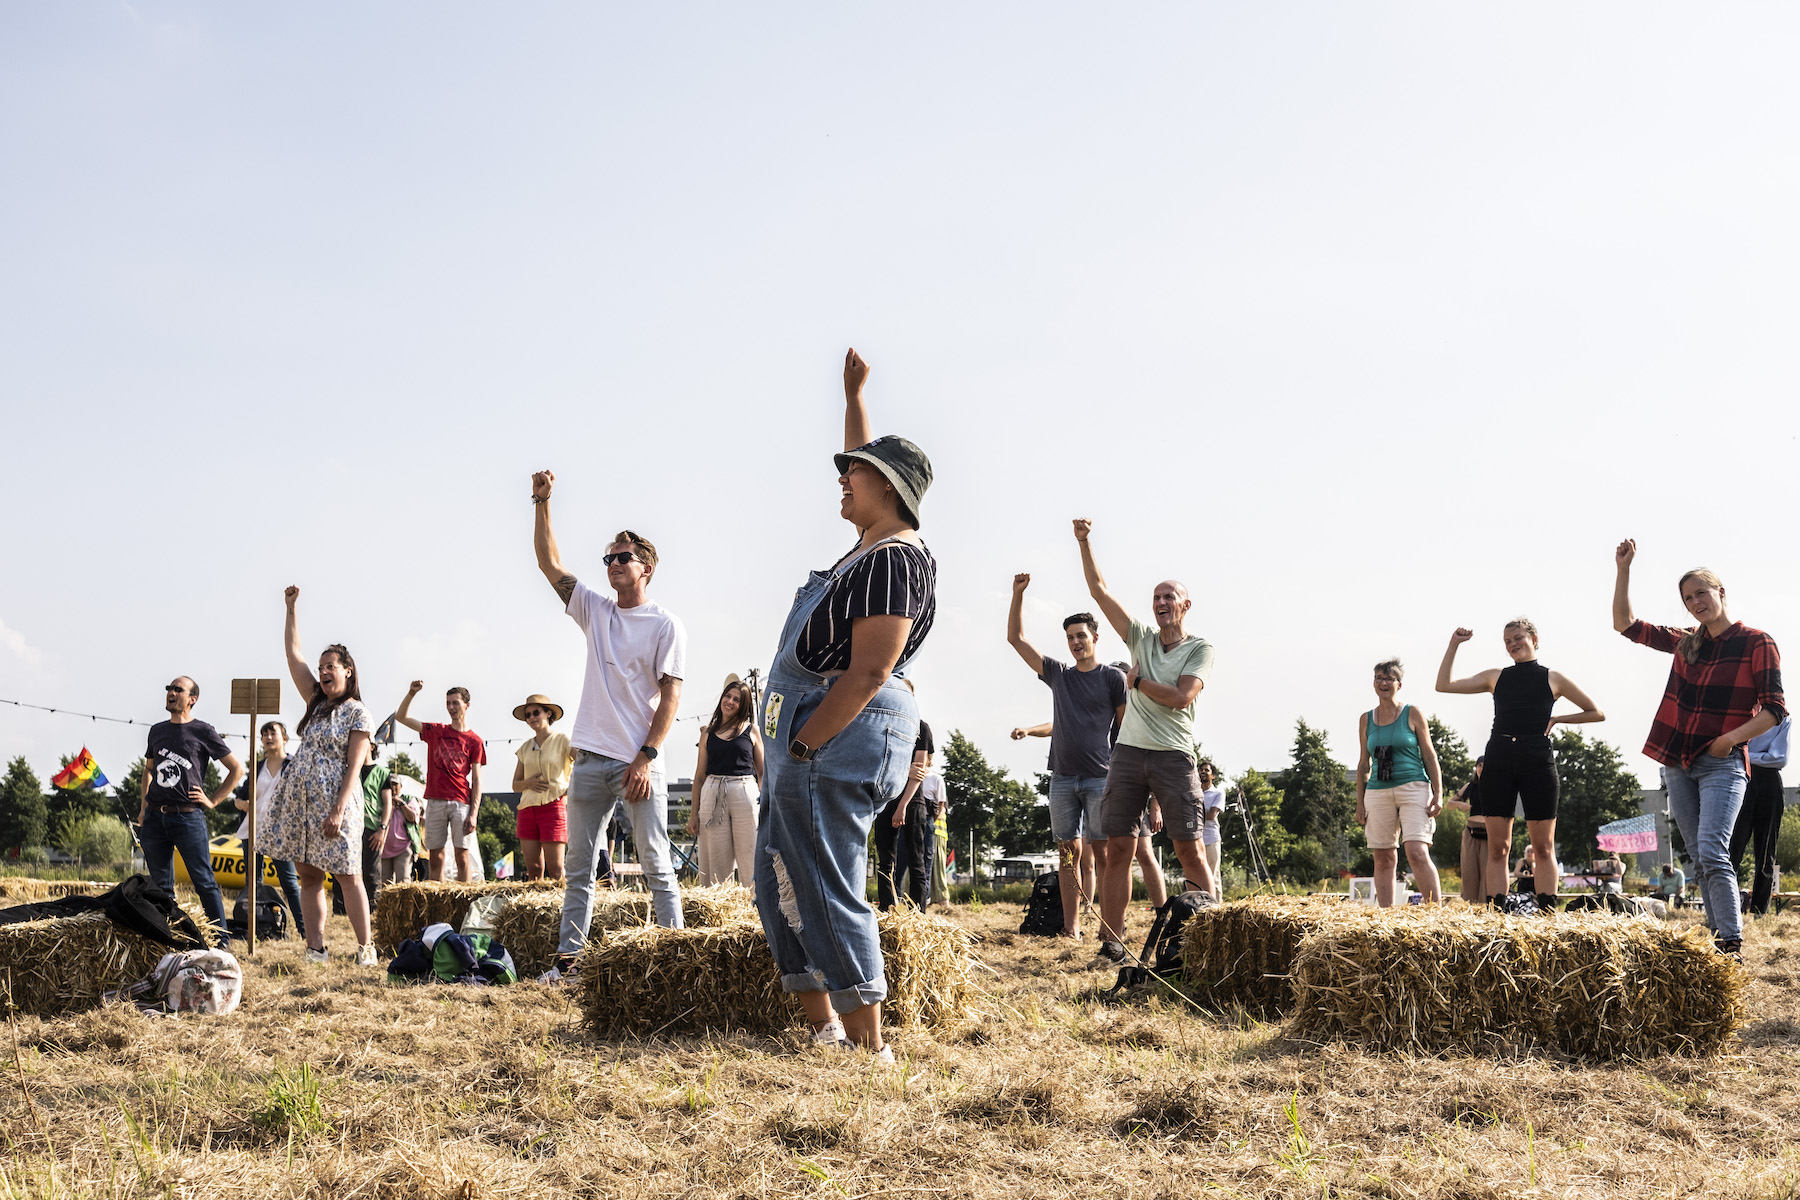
x: 176, y: 687
x: 623, y: 557
x: 536, y: 712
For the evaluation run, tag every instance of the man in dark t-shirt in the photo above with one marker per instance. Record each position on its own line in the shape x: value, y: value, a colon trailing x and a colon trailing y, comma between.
x: 1087, y: 702
x: 905, y: 832
x: 172, y: 799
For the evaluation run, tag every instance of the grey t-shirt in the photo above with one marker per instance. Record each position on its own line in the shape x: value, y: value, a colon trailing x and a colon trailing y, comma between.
x: 1081, y: 713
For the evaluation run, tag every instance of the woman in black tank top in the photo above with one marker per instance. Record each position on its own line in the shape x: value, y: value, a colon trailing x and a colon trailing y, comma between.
x: 727, y: 788
x: 1519, y: 766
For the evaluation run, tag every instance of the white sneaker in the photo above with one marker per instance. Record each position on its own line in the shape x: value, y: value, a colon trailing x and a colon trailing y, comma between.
x: 317, y: 956
x: 831, y: 1035
x: 885, y: 1055
x: 365, y: 955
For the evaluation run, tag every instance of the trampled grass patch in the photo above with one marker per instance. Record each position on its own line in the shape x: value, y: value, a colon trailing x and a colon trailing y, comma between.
x: 327, y: 1082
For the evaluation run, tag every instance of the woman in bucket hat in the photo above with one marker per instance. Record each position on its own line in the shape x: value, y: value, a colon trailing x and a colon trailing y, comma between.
x: 840, y: 726
x: 542, y: 779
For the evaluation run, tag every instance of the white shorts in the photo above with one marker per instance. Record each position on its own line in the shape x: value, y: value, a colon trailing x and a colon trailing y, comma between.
x: 1398, y: 814
x: 444, y: 820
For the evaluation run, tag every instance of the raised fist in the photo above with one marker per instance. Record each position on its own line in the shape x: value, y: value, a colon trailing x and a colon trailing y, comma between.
x: 1461, y: 635
x: 1019, y: 734
x: 1082, y: 528
x: 291, y: 594
x: 856, y: 372
x: 1021, y: 581
x: 1625, y: 553
x: 415, y: 687
x: 541, y: 483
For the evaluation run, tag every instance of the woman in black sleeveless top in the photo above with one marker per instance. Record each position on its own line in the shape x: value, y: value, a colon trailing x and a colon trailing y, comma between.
x: 727, y: 786
x: 1519, y: 766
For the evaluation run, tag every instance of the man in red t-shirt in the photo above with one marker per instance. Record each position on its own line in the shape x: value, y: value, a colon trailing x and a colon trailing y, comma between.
x: 452, y: 776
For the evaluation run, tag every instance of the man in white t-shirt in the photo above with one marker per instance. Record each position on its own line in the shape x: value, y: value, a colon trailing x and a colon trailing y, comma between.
x: 1212, y: 803
x: 636, y: 652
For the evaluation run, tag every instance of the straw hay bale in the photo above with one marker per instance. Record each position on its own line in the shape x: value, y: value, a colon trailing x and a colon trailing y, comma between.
x: 1243, y: 952
x: 644, y: 982
x: 403, y: 909
x: 1590, y: 985
x: 66, y: 964
x: 531, y: 926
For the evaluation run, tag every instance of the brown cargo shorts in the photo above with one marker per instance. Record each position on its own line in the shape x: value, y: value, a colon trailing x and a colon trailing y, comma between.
x: 1136, y: 774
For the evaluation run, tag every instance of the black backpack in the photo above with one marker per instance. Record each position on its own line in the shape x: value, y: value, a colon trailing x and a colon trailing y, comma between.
x: 1162, y: 949
x: 136, y: 904
x: 271, y: 914
x: 1043, y: 912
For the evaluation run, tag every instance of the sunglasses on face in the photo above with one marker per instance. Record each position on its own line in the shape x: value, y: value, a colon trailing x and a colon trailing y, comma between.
x: 535, y: 712
x: 176, y: 687
x: 621, y: 558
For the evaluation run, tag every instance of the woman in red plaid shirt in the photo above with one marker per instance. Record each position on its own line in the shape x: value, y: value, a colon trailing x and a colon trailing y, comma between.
x: 1724, y: 689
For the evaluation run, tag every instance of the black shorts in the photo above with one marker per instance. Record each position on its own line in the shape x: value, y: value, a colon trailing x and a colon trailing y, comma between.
x: 1133, y: 775
x: 1520, y: 771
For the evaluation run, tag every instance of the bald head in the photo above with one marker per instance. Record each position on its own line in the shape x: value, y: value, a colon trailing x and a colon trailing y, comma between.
x: 1170, y: 603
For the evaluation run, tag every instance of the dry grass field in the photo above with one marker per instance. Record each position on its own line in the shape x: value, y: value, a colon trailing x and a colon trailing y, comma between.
x: 330, y: 1083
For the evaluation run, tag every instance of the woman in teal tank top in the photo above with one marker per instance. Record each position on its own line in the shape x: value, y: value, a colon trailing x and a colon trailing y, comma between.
x: 1399, y: 788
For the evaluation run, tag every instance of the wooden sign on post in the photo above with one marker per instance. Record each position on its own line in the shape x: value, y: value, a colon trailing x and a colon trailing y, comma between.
x: 253, y: 698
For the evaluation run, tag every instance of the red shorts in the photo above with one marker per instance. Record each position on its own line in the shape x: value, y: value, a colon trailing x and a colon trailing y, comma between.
x: 544, y: 822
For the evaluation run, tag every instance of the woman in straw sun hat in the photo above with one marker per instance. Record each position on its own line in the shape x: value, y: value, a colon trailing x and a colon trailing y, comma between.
x: 841, y: 726
x: 727, y: 783
x: 542, y: 780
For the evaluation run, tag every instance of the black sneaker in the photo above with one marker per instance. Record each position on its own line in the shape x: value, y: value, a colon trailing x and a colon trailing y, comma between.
x: 1546, y: 902
x: 1732, y: 949
x: 1113, y: 952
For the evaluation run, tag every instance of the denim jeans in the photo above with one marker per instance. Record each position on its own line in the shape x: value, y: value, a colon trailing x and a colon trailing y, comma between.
x: 162, y: 834
x: 812, y: 845
x: 595, y: 786
x: 1704, y: 799
x: 290, y: 887
x: 1075, y: 806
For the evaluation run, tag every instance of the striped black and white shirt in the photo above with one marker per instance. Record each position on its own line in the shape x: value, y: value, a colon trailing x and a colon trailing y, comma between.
x: 896, y: 579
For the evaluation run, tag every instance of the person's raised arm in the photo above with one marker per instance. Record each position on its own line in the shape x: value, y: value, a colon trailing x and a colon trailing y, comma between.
x: 543, y: 538
x: 1015, y: 626
x: 1563, y: 688
x: 1024, y: 731
x: 1115, y: 612
x: 856, y: 411
x: 875, y: 645
x: 412, y: 723
x: 1622, y: 556
x: 1482, y: 681
x: 298, y: 668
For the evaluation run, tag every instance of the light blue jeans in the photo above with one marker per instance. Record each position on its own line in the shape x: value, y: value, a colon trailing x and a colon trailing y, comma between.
x: 812, y: 845
x: 1075, y: 806
x: 596, y: 784
x: 1704, y: 800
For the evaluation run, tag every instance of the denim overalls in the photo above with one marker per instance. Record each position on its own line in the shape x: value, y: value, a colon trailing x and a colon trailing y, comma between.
x: 812, y: 841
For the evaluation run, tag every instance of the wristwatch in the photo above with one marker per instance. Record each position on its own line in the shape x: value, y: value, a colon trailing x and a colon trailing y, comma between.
x: 801, y: 750
x: 649, y: 752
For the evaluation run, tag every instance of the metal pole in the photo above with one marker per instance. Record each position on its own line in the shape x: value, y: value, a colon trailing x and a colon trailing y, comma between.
x: 252, y: 876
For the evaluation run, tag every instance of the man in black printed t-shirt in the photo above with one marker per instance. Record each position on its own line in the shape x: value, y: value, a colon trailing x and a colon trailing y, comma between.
x: 904, y: 832
x: 172, y: 799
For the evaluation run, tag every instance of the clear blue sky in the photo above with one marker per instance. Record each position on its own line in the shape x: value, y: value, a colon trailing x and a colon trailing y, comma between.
x: 1364, y: 320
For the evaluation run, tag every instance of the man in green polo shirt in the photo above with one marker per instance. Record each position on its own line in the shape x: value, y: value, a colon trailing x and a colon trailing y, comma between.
x: 1155, y: 751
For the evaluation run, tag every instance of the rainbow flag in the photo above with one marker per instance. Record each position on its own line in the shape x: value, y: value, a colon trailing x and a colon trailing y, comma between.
x: 82, y: 772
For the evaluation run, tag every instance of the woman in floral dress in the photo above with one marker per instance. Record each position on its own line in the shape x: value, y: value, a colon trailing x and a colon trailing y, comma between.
x: 321, y: 789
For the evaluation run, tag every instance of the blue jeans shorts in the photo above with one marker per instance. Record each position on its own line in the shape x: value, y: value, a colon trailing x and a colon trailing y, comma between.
x: 1075, y: 805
